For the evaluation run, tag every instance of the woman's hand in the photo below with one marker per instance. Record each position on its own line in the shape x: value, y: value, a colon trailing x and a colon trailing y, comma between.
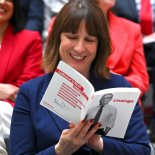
x: 72, y: 139
x: 96, y: 143
x: 8, y: 92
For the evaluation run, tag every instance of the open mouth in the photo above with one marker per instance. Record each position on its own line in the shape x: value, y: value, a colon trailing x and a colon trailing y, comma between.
x: 77, y: 57
x: 2, y: 10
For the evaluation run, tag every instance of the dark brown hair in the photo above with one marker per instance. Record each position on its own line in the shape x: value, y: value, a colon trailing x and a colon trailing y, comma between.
x: 69, y: 20
x: 18, y: 19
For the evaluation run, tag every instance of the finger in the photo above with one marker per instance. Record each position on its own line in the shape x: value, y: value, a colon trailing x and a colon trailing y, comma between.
x: 17, y: 91
x: 75, y: 131
x: 71, y: 125
x: 64, y: 133
x: 92, y: 131
x: 12, y: 98
x: 85, y: 128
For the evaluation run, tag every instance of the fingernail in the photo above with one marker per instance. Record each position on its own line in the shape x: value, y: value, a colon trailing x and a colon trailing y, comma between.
x: 91, y: 120
x: 99, y: 124
x: 83, y: 121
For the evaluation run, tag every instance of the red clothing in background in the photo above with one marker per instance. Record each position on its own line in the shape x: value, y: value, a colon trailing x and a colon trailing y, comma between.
x: 20, y: 57
x: 128, y: 57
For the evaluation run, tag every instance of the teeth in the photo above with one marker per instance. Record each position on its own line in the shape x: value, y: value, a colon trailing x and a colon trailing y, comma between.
x: 77, y: 57
x: 2, y: 10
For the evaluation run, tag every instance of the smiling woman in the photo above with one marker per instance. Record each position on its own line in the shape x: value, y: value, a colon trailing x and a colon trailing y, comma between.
x: 78, y: 50
x: 84, y: 39
x: 6, y: 10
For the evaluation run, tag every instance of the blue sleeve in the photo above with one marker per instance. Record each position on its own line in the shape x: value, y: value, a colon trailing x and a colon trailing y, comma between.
x: 135, y: 142
x: 24, y: 142
x: 35, y: 17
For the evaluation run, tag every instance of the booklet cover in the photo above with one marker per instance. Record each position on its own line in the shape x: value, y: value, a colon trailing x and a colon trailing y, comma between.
x: 72, y: 97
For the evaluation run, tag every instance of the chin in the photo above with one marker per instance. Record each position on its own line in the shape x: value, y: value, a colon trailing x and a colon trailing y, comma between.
x: 77, y: 69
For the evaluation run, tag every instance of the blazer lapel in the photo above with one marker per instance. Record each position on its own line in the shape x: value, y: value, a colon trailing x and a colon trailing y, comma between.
x: 60, y: 123
x: 119, y: 39
x: 5, y: 52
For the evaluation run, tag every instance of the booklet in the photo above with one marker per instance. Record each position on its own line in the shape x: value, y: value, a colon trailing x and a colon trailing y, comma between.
x: 72, y: 97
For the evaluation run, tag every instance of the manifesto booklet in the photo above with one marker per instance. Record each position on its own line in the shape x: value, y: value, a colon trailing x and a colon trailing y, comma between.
x: 72, y: 97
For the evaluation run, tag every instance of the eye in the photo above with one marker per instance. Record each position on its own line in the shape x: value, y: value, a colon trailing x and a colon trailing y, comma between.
x: 71, y: 36
x: 91, y: 39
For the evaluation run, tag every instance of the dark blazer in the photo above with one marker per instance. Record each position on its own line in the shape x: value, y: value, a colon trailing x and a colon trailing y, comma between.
x: 34, y: 13
x: 126, y: 9
x: 36, y: 130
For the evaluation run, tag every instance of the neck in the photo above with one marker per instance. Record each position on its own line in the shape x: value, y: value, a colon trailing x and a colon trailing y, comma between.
x: 105, y: 11
x: 3, y: 28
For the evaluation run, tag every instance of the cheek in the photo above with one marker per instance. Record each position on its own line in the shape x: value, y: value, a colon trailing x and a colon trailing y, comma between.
x: 11, y: 8
x: 64, y: 44
x: 93, y: 50
x: 61, y: 47
x: 61, y: 51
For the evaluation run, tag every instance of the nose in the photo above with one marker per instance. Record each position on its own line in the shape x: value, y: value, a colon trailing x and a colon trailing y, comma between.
x: 79, y: 46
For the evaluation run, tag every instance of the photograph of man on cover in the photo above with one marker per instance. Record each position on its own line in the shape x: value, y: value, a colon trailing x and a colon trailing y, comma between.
x: 103, y: 113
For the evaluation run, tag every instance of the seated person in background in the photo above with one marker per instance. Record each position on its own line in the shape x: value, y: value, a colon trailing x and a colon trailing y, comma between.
x: 38, y: 13
x: 80, y: 38
x: 21, y: 55
x: 135, y: 11
x: 33, y: 11
x: 51, y: 8
x: 127, y: 57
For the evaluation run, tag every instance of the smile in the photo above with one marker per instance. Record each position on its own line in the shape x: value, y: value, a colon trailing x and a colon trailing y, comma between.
x: 77, y: 57
x: 2, y: 10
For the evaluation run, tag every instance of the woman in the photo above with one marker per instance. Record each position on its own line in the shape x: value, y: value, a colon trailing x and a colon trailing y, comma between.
x: 128, y: 57
x: 20, y: 53
x: 80, y: 38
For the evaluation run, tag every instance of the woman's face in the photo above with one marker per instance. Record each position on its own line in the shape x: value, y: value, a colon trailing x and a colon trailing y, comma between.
x: 6, y: 10
x: 79, y: 49
x: 106, y: 4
